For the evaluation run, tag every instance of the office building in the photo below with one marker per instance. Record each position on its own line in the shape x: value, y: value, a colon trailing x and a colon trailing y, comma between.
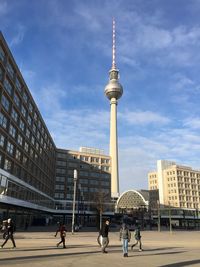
x: 93, y: 184
x: 27, y: 151
x: 179, y: 186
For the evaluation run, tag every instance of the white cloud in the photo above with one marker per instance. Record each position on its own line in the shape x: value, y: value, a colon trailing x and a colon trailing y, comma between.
x: 3, y: 7
x: 18, y: 38
x: 143, y: 118
x: 193, y: 123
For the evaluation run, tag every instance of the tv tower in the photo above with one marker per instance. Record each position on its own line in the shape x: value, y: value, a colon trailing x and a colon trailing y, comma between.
x: 114, y: 91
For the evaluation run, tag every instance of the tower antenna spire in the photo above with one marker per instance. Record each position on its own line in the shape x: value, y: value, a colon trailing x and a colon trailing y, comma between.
x: 113, y: 46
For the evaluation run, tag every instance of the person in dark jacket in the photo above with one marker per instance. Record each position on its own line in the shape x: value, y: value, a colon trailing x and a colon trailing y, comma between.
x: 10, y: 231
x: 137, y: 238
x: 62, y: 230
x: 104, y: 236
x: 125, y: 237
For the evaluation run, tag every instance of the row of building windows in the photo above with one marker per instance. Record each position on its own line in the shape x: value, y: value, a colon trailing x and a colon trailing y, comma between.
x: 16, y: 99
x: 84, y: 158
x: 22, y: 125
x: 26, y: 170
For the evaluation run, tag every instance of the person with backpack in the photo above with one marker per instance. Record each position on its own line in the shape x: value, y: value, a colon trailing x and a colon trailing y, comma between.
x: 125, y: 237
x: 10, y: 229
x: 62, y: 230
x: 137, y: 238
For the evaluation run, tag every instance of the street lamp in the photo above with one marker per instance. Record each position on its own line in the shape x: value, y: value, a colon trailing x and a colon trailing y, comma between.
x: 74, y: 199
x: 170, y: 218
x: 158, y: 205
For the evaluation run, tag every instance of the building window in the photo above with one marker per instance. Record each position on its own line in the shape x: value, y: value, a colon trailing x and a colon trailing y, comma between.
x: 34, y: 128
x: 8, y: 87
x: 59, y: 187
x: 26, y: 147
x: 39, y: 124
x: 10, y: 148
x: 25, y: 97
x: 23, y: 110
x: 14, y: 115
x: 29, y: 120
x: 35, y: 116
x: 10, y: 70
x: 2, y: 140
x: 18, y: 85
x: 24, y: 160
x: 27, y: 133
x: 5, y: 102
x: 19, y: 140
x: 2, y: 54
x: 31, y: 153
x: 1, y: 74
x: 38, y: 135
x: 3, y: 120
x: 16, y: 100
x: 33, y: 140
x: 18, y: 155
x: 30, y: 107
x: 12, y: 131
x: 7, y: 165
x: 21, y: 125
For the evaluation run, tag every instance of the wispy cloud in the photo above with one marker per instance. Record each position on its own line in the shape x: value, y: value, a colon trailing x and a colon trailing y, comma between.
x: 193, y: 123
x: 143, y: 118
x: 3, y: 7
x: 19, y: 36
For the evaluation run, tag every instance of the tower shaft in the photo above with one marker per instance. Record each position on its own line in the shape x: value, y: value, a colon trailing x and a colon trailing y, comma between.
x: 114, y: 149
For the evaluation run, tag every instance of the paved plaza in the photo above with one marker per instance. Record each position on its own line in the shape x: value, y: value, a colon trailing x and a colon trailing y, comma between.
x: 181, y: 248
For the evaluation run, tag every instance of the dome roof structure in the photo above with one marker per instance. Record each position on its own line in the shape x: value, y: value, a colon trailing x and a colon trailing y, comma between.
x: 133, y: 199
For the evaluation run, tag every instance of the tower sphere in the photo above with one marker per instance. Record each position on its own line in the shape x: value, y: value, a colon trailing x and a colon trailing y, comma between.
x: 113, y: 89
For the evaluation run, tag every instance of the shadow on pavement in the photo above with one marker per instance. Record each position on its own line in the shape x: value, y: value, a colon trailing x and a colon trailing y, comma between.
x: 181, y: 264
x: 30, y: 257
x: 157, y: 249
x: 47, y: 248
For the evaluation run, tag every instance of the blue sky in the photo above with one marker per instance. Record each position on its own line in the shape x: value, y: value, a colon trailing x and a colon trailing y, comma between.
x: 63, y: 49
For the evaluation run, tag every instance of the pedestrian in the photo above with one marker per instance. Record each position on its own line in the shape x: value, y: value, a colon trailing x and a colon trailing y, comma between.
x: 104, y: 236
x: 125, y: 237
x: 9, y: 233
x: 137, y: 238
x: 62, y: 230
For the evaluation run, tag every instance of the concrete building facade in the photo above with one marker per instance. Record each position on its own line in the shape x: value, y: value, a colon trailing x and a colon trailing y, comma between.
x: 179, y: 186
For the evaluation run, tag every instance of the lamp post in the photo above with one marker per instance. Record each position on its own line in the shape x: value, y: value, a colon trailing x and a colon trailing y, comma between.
x: 170, y: 219
x: 74, y: 199
x: 158, y: 205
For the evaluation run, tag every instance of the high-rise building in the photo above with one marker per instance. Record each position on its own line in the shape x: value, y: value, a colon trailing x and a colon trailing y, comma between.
x: 114, y: 91
x: 179, y: 186
x: 27, y: 151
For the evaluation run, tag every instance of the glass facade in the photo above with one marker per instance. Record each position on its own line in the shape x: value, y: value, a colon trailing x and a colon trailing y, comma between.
x: 20, y: 130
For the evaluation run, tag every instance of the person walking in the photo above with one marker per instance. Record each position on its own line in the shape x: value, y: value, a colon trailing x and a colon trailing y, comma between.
x: 137, y: 238
x: 9, y: 233
x: 62, y: 230
x: 104, y: 236
x: 125, y: 237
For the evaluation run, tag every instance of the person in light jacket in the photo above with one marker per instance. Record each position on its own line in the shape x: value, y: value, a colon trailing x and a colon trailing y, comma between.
x: 125, y: 237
